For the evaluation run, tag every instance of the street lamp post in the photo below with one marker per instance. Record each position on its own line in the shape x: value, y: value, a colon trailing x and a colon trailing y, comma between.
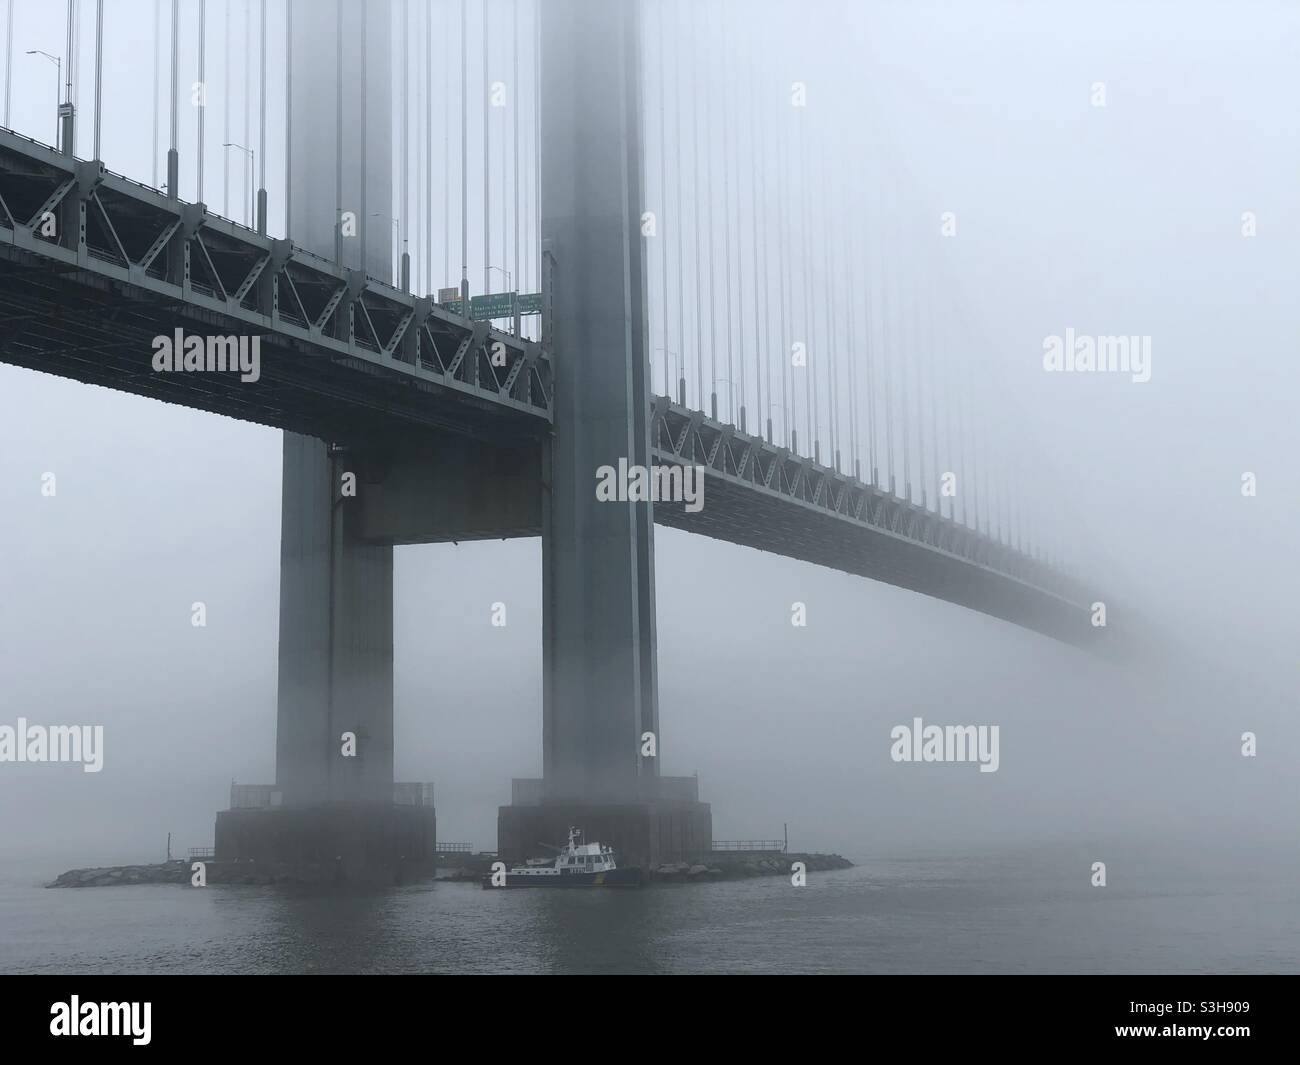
x: 252, y: 163
x: 58, y: 87
x: 769, y: 422
x: 731, y: 402
x: 668, y: 391
x: 514, y: 299
x: 404, y: 268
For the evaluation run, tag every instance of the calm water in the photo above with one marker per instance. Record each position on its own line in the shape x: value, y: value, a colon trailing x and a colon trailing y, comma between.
x: 1032, y: 911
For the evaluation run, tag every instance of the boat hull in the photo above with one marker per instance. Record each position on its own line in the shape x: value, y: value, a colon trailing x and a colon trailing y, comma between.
x: 610, y: 879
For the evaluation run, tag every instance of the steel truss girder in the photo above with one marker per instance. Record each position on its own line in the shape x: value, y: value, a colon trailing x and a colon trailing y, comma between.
x: 681, y: 436
x: 183, y: 254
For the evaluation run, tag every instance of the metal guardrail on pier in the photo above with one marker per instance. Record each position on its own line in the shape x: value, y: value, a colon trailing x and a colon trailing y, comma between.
x: 766, y: 845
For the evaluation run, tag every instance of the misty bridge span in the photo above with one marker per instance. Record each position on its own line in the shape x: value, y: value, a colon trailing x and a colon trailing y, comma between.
x: 455, y: 429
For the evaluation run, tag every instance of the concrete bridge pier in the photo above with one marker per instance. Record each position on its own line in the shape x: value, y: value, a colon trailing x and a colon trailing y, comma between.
x: 333, y: 807
x: 600, y: 696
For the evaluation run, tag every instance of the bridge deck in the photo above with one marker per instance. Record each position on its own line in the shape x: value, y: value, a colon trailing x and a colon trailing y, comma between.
x: 94, y: 266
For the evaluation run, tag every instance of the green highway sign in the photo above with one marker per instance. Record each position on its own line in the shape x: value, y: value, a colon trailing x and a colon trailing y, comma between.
x: 493, y: 305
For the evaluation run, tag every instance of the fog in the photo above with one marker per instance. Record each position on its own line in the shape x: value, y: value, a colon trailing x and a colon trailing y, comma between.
x: 1118, y: 219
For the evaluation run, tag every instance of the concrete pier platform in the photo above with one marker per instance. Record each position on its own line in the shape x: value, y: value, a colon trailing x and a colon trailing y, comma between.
x: 646, y: 834
x: 380, y: 843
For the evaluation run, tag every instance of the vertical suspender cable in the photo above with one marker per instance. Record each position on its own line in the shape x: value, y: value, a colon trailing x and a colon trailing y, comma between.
x: 446, y: 155
x: 906, y: 341
x: 505, y: 172
x: 869, y: 333
x: 537, y: 140
x: 70, y: 65
x: 338, y: 147
x: 663, y: 190
x: 974, y: 444
x: 850, y: 252
x: 175, y: 112
x: 487, y: 159
x: 680, y: 395
x: 261, y: 127
x: 9, y: 64
x: 828, y: 265
x: 933, y: 361
x: 783, y: 261
x: 248, y: 98
x: 963, y: 479
x: 404, y: 204
x: 516, y: 99
x: 979, y: 456
x: 762, y: 354
x: 464, y: 162
x: 288, y: 115
x: 99, y: 70
x: 77, y: 88
x: 429, y: 285
x: 363, y: 245
x: 708, y: 208
x: 932, y: 376
x: 523, y: 203
x: 225, y: 111
x: 887, y: 361
x: 740, y: 255
x: 157, y: 76
x: 945, y: 357
x: 726, y: 230
x: 202, y: 100
x: 809, y: 325
x: 919, y: 359
x: 173, y: 157
x: 695, y: 170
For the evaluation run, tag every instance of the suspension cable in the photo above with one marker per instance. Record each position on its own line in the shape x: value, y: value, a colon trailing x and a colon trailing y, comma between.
x: 487, y: 153
x: 762, y: 347
x: 709, y: 142
x: 663, y: 192
x: 726, y: 228
x: 695, y: 169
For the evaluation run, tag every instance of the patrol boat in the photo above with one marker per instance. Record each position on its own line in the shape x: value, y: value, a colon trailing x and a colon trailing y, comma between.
x: 578, y: 864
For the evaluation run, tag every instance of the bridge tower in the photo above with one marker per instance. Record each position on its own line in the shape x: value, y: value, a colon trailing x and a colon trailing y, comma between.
x: 600, y: 707
x: 600, y: 699
x: 334, y: 791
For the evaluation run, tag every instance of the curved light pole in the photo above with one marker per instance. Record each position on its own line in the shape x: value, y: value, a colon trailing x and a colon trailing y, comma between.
x: 404, y: 266
x: 681, y: 380
x: 731, y: 400
x: 784, y: 427
x: 252, y: 163
x: 509, y: 279
x: 58, y: 86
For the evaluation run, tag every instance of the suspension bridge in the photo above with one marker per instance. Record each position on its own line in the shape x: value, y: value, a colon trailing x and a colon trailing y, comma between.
x: 676, y: 272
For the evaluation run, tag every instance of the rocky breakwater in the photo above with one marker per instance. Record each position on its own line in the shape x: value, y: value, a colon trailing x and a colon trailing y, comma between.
x: 107, y: 876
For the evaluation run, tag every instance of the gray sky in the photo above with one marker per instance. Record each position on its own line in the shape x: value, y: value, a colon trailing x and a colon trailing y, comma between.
x: 1123, y: 219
